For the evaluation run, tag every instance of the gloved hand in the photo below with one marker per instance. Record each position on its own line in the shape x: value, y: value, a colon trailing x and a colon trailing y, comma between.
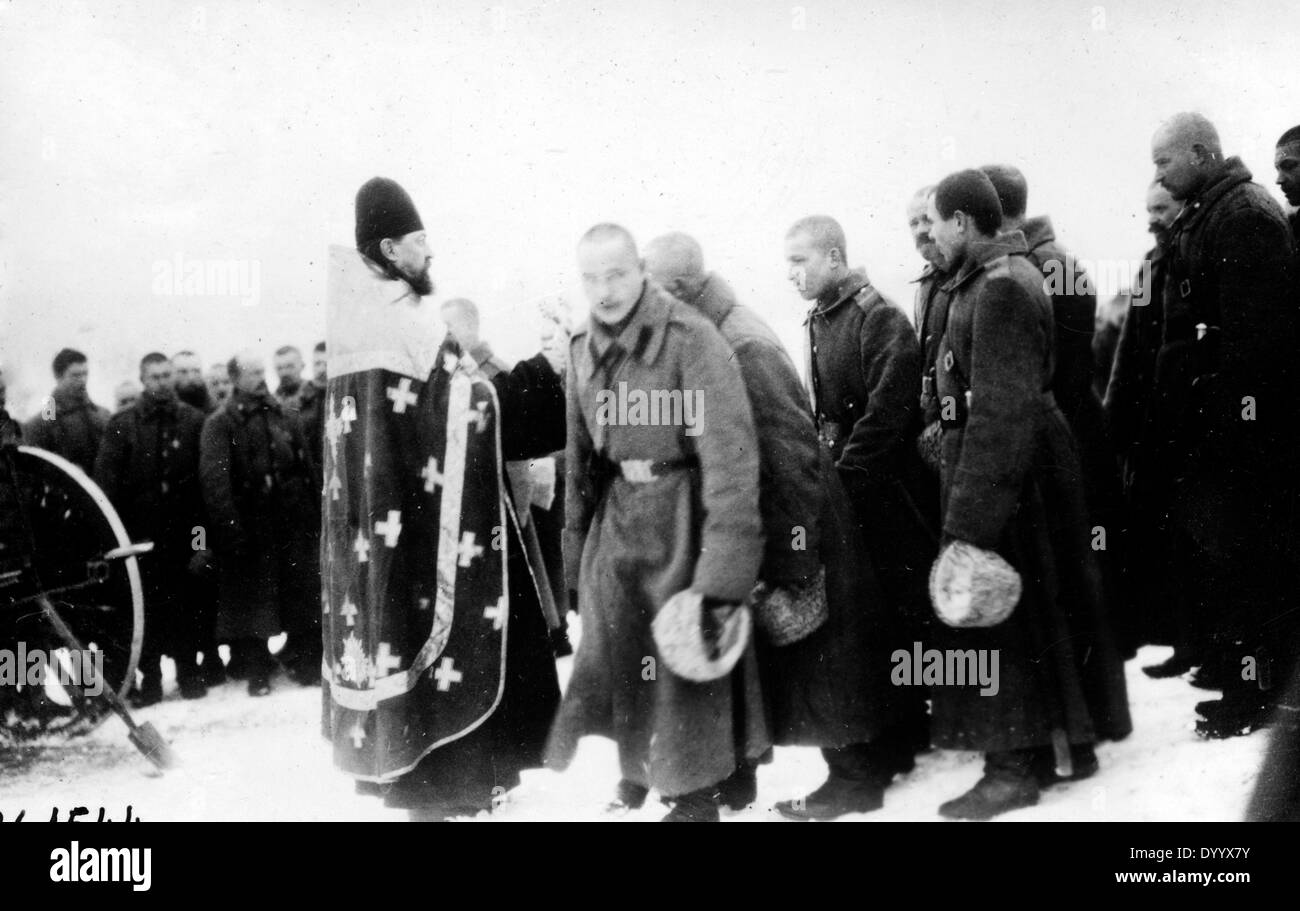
x: 713, y: 617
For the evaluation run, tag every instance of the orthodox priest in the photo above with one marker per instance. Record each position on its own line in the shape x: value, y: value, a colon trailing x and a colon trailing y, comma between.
x: 439, y: 681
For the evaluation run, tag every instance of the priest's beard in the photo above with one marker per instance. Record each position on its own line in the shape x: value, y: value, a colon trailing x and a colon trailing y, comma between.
x: 421, y: 284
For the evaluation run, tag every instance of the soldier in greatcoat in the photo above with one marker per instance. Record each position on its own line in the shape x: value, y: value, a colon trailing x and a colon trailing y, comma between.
x: 1011, y: 490
x: 657, y: 505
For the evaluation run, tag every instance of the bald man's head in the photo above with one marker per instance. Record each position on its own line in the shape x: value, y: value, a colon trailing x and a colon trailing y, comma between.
x: 461, y: 316
x: 815, y: 252
x: 248, y: 371
x: 613, y: 273
x: 1186, y: 152
x: 676, y: 261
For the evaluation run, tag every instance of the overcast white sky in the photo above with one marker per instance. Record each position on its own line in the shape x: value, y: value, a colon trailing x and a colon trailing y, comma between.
x: 134, y: 134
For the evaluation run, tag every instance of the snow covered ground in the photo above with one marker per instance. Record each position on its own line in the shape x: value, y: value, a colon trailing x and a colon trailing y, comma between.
x: 263, y: 759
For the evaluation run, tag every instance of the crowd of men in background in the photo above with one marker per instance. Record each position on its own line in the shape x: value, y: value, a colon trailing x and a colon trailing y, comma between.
x: 222, y: 476
x: 1129, y: 462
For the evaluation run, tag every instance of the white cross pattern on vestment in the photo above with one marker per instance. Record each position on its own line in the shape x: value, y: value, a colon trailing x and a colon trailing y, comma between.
x: 479, y: 417
x: 348, y: 611
x: 432, y: 477
x: 446, y: 674
x: 496, y: 612
x: 386, y: 660
x: 390, y: 529
x: 402, y: 395
x: 358, y: 735
x: 467, y: 549
x: 362, y: 547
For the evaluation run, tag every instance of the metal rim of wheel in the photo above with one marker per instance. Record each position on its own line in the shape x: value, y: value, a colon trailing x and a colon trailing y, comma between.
x: 103, y: 528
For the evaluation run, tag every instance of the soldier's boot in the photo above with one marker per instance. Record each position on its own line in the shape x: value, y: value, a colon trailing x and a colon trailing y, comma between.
x: 189, y: 678
x: 628, y: 796
x: 260, y: 665
x: 1240, y: 711
x: 697, y: 806
x: 836, y: 797
x: 1082, y: 757
x: 858, y: 776
x: 212, y: 670
x: 1008, y: 784
x: 740, y: 788
x: 149, y: 691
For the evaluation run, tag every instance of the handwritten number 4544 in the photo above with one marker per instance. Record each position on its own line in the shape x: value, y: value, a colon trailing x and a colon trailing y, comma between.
x: 74, y: 814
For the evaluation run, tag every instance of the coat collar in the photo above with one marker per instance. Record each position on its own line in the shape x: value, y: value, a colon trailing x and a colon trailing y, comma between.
x: 981, y: 252
x: 715, y: 300
x: 1232, y: 172
x: 151, y: 406
x: 643, y: 335
x: 67, y: 400
x: 842, y: 293
x: 245, y: 404
x: 929, y: 272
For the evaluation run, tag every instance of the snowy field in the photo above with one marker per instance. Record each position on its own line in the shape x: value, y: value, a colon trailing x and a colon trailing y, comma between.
x: 263, y: 759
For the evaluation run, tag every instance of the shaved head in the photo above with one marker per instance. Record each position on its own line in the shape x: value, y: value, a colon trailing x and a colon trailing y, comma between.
x: 824, y: 233
x: 248, y: 371
x: 613, y: 273
x: 607, y: 231
x: 676, y: 261
x: 1188, y: 129
x: 815, y: 254
x: 1186, y: 151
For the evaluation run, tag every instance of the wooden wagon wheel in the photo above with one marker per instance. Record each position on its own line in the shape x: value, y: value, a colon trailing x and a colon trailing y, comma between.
x: 60, y: 537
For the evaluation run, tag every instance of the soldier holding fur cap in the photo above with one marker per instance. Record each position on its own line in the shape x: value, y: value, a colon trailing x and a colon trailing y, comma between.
x: 1011, y: 494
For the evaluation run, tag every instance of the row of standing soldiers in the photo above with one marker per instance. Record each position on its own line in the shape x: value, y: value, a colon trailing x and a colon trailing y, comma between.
x: 229, y: 496
x: 1006, y: 451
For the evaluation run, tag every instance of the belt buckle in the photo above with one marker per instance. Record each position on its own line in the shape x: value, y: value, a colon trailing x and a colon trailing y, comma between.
x: 638, y: 471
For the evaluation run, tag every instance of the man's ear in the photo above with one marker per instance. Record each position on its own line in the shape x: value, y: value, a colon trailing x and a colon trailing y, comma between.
x: 836, y: 256
x: 388, y: 246
x: 1202, y: 155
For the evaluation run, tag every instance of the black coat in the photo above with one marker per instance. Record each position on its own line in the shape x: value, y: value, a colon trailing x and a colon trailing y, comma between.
x: 832, y: 688
x: 930, y: 315
x: 1225, y: 402
x: 1231, y: 271
x: 148, y: 465
x: 310, y: 403
x: 1011, y: 483
x: 264, y: 510
x: 865, y: 372
x: 1074, y: 314
x: 70, y: 425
